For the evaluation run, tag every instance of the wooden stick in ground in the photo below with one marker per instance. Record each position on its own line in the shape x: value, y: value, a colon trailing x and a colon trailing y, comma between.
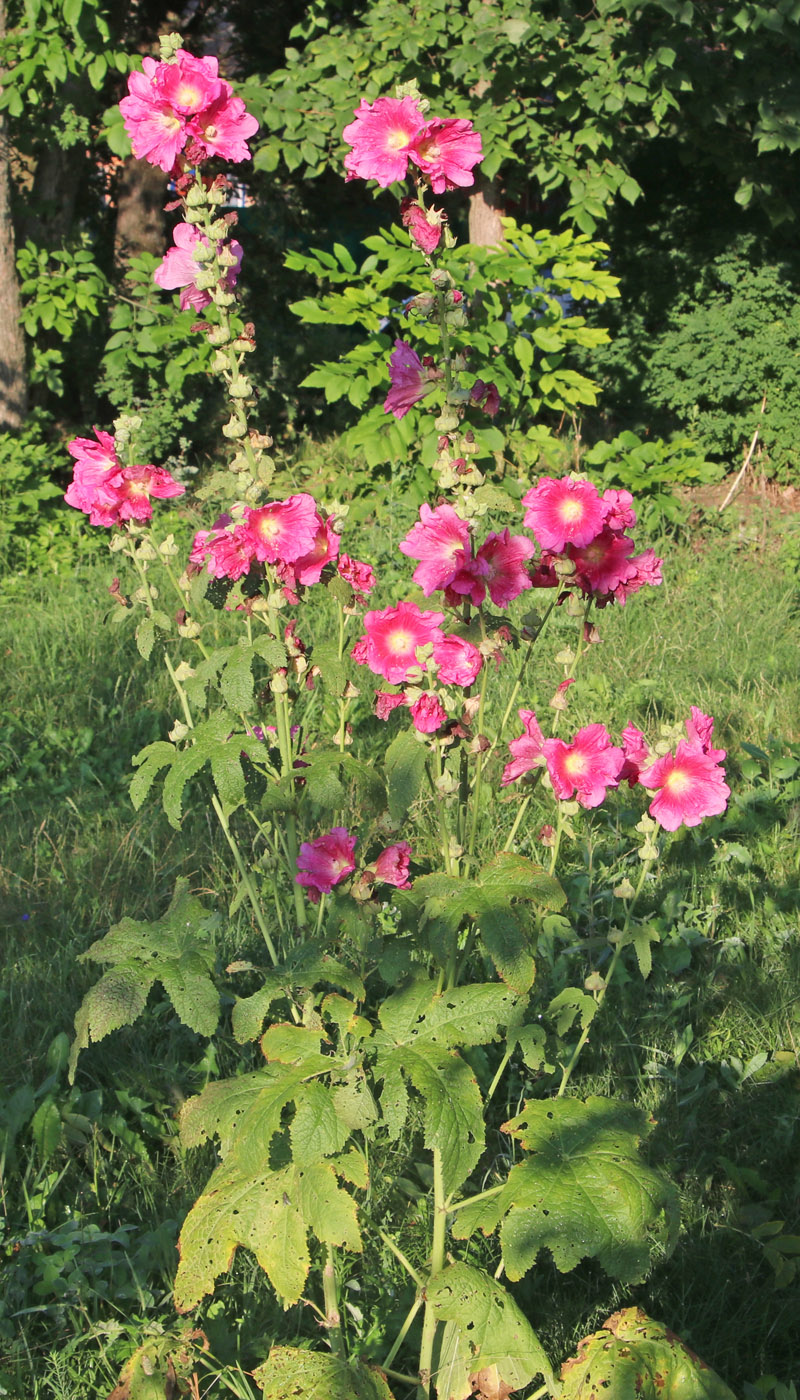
x: 740, y: 475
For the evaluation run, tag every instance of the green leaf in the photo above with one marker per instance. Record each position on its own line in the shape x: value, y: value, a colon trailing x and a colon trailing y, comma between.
x: 487, y: 1337
x: 404, y: 765
x: 584, y: 1191
x: 313, y: 1375
x: 46, y: 1128
x: 634, y: 1358
x: 515, y: 877
x: 508, y: 945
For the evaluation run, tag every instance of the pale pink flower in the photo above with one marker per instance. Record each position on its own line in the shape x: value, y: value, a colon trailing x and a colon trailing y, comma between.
x: 284, y: 530
x: 392, y: 866
x: 618, y: 510
x: 89, y: 491
x: 700, y: 731
x: 527, y: 750
x: 361, y: 577
x: 458, y: 660
x: 586, y: 767
x: 325, y: 862
x: 446, y: 151
x: 690, y: 786
x: 410, y: 380
x: 643, y: 569
x: 387, y: 701
x: 604, y: 563
x: 441, y: 542
x: 505, y: 555
x: 178, y: 267
x: 380, y: 137
x: 634, y: 746
x: 562, y: 511
x: 424, y: 225
x: 428, y: 713
x: 393, y: 636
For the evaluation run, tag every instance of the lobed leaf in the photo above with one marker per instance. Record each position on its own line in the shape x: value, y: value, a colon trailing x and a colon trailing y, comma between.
x: 486, y: 1335
x: 314, y: 1375
x: 634, y: 1358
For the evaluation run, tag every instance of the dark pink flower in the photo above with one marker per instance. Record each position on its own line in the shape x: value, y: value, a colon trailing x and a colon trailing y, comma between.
x: 424, y: 225
x: 223, y: 128
x: 486, y: 396
x: 458, y: 660
x: 325, y: 862
x: 527, y: 750
x: 690, y: 786
x: 380, y: 137
x: 393, y: 636
x: 101, y: 454
x: 700, y: 731
x: 361, y: 577
x: 446, y: 151
x: 108, y: 492
x: 359, y: 652
x: 284, y: 530
x: 634, y: 746
x: 410, y: 380
x: 468, y: 582
x: 604, y: 563
x: 135, y: 486
x: 225, y: 553
x: 643, y: 569
x: 441, y: 542
x: 505, y: 556
x: 618, y: 510
x: 586, y: 767
x: 563, y: 511
x: 387, y: 701
x: 178, y: 267
x: 308, y: 568
x: 157, y: 132
x: 428, y: 713
x: 392, y: 866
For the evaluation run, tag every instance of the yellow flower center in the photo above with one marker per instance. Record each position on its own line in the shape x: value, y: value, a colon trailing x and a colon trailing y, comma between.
x: 397, y: 139
x: 399, y: 641
x: 575, y: 764
x: 188, y: 96
x: 571, y: 509
x: 268, y: 527
x: 678, y: 781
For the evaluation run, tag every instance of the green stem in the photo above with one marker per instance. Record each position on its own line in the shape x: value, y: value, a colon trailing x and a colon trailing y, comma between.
x: 476, y: 789
x: 333, y: 1320
x: 437, y: 1264
x: 403, y: 1333
x: 471, y: 1200
x: 398, y: 1254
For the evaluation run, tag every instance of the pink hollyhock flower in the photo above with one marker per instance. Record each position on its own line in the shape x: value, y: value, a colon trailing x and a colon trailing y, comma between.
x: 179, y: 269
x: 700, y: 731
x: 392, y: 866
x: 386, y: 701
x: 101, y: 454
x: 189, y: 84
x: 225, y: 553
x: 441, y: 542
x: 504, y: 555
x: 134, y: 487
x: 458, y: 660
x: 690, y: 786
x: 446, y: 151
x: 325, y: 862
x: 487, y: 396
x: 604, y: 563
x: 393, y: 636
x: 223, y: 128
x: 380, y: 137
x: 424, y: 225
x: 586, y: 767
x: 634, y: 746
x: 428, y: 713
x: 89, y: 491
x: 361, y: 577
x: 642, y: 569
x: 562, y: 512
x: 618, y: 510
x: 527, y: 750
x: 156, y: 131
x: 308, y: 568
x: 284, y: 530
x: 410, y: 381
x: 359, y: 652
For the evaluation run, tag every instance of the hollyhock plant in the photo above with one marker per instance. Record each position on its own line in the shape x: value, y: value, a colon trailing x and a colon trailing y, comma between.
x: 563, y: 511
x: 223, y: 128
x: 634, y: 747
x: 644, y: 570
x: 505, y: 556
x: 447, y: 151
x: 284, y: 530
x: 108, y: 492
x: 410, y: 380
x: 185, y: 101
x: 604, y: 563
x: 700, y: 731
x: 325, y: 862
x: 441, y: 542
x: 689, y: 786
x: 135, y: 486
x: 458, y: 660
x: 225, y: 553
x: 618, y: 511
x: 427, y: 713
x: 308, y: 568
x: 178, y: 268
x: 527, y: 750
x: 392, y: 637
x: 392, y: 866
x: 586, y: 767
x: 386, y: 701
x: 486, y: 396
x: 424, y: 225
x: 381, y: 136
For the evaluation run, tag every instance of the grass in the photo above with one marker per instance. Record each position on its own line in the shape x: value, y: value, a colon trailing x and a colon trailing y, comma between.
x: 709, y: 1046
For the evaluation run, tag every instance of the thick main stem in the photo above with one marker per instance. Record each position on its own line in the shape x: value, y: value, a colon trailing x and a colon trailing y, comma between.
x: 437, y: 1264
x: 333, y: 1320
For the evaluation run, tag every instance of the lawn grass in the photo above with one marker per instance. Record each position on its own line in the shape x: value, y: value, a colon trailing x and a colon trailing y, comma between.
x: 708, y: 1046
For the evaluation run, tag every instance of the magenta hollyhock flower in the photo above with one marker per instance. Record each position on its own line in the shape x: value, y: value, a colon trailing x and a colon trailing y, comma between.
x: 527, y: 750
x: 380, y: 137
x: 172, y: 104
x: 308, y: 568
x: 393, y: 636
x: 586, y: 767
x: 410, y: 380
x: 446, y: 151
x: 458, y: 660
x: 223, y: 128
x: 392, y: 865
x: 325, y: 862
x: 178, y: 267
x: 428, y: 713
x: 135, y: 486
x: 604, y: 563
x: 189, y: 84
x: 690, y: 785
x: 101, y: 454
x: 424, y: 225
x: 359, y: 652
x: 95, y: 464
x: 634, y: 747
x: 562, y: 511
x: 700, y: 731
x: 283, y: 531
x: 157, y: 133
x: 643, y: 569
x: 361, y: 577
x: 486, y: 396
x: 441, y: 541
x: 225, y: 553
x: 386, y: 701
x: 505, y: 556
x: 468, y: 582
x: 618, y: 510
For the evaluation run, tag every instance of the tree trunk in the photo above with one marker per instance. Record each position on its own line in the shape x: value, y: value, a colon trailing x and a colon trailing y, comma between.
x: 485, y: 211
x: 13, y: 380
x: 141, y: 193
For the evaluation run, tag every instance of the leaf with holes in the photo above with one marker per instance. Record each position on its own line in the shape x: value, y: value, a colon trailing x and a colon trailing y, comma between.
x: 583, y: 1192
x: 634, y: 1358
x: 292, y: 1373
x: 487, y: 1338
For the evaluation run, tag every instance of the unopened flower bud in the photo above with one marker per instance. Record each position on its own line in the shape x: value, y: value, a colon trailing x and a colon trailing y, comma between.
x: 234, y: 428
